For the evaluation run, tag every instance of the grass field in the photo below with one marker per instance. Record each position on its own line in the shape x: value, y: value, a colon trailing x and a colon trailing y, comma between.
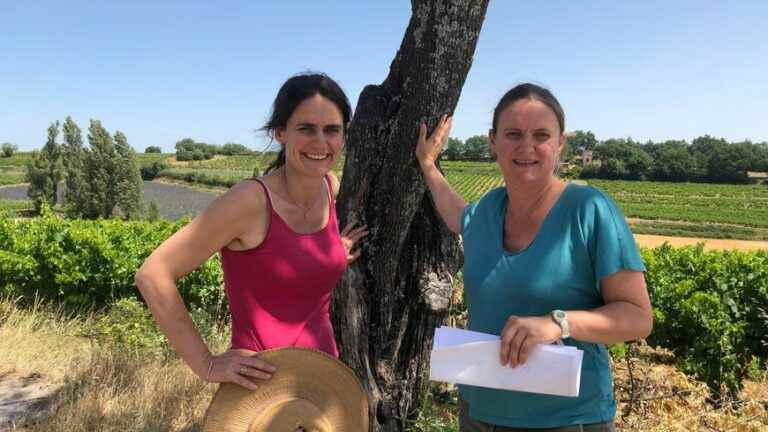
x: 12, y: 169
x: 112, y: 371
x: 671, y: 209
x: 13, y: 206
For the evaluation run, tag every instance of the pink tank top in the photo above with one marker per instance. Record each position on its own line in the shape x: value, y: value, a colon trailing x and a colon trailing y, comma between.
x: 280, y: 291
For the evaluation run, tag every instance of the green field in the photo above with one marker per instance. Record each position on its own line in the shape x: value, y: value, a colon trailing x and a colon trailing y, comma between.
x: 672, y: 209
x: 12, y: 169
x: 13, y: 206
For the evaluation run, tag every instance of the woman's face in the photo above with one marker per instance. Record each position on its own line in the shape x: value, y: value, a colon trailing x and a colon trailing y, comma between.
x: 313, y: 137
x: 527, y: 142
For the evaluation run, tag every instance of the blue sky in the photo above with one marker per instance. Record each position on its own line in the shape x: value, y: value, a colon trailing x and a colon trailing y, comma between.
x: 162, y: 71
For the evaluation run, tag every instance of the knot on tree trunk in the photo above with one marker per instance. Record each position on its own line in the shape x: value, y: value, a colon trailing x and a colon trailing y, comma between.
x: 437, y: 291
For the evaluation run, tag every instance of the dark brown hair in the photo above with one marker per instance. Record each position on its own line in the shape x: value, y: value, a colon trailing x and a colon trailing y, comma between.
x: 296, y: 90
x: 530, y: 91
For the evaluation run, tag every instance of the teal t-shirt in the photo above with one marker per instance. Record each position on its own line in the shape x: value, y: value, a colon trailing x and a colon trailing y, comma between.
x: 583, y: 239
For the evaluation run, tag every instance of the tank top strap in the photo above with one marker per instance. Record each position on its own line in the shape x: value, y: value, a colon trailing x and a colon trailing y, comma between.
x: 269, y: 194
x: 330, y: 189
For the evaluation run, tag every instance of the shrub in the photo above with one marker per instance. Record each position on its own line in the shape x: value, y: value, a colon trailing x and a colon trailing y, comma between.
x: 83, y: 263
x: 149, y: 172
x: 129, y: 325
x: 8, y: 149
x: 708, y: 309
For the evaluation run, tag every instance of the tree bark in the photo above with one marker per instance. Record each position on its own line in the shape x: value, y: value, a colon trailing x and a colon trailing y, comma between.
x: 387, y: 305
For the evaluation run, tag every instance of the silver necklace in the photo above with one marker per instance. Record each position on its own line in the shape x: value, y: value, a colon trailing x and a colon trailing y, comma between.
x: 305, y: 209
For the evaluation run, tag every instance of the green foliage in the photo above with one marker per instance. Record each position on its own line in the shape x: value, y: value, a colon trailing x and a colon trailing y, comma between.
x: 708, y: 310
x: 44, y: 171
x: 10, y: 208
x: 700, y: 230
x: 582, y: 140
x: 477, y: 148
x: 673, y: 161
x: 76, y: 189
x: 84, y: 263
x: 153, y: 149
x: 13, y: 170
x: 129, y: 325
x: 706, y: 159
x: 745, y: 205
x: 149, y: 172
x: 99, y: 168
x: 433, y: 417
x: 729, y: 164
x: 8, y: 149
x: 472, y: 179
x: 618, y: 351
x: 127, y: 179
x: 231, y: 149
x: 153, y: 213
x: 223, y: 178
x: 188, y: 149
x: 454, y: 149
x: 622, y: 159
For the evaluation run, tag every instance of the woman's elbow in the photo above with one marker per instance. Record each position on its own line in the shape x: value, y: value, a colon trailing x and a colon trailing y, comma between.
x: 142, y: 280
x: 146, y: 278
x: 646, y: 326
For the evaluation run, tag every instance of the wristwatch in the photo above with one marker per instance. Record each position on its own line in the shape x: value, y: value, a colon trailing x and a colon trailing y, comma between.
x: 561, y: 318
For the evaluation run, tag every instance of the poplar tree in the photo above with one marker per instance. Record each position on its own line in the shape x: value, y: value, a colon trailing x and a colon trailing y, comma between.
x: 100, y: 172
x: 128, y: 178
x: 73, y: 158
x: 44, y: 171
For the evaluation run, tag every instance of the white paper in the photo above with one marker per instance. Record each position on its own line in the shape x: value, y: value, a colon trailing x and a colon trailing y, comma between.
x: 468, y: 357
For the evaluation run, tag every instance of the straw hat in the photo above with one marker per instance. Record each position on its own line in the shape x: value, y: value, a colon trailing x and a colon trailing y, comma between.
x: 310, y: 390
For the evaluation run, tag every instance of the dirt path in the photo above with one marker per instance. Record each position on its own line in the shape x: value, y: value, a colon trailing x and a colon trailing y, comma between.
x: 23, y: 395
x: 647, y: 240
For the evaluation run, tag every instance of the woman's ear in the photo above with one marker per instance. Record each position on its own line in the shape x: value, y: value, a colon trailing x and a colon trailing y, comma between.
x: 280, y: 136
x: 492, y: 142
x: 563, y: 141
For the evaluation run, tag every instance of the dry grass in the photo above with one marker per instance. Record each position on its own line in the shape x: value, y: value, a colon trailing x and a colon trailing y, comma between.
x: 37, y: 339
x: 104, y: 388
x: 666, y: 400
x: 100, y: 387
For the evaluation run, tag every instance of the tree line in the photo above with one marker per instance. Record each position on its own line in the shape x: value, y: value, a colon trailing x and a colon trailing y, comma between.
x: 188, y: 149
x: 99, y: 181
x: 705, y: 159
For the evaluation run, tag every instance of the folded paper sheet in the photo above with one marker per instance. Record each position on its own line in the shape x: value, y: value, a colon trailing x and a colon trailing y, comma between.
x: 467, y: 357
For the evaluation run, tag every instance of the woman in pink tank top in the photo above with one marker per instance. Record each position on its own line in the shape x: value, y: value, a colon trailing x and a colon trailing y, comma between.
x: 281, y: 249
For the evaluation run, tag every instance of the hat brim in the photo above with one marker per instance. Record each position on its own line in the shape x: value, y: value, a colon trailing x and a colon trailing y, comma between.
x: 327, y: 390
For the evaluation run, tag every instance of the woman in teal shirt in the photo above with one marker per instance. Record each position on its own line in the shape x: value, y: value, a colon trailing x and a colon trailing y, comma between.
x: 544, y: 260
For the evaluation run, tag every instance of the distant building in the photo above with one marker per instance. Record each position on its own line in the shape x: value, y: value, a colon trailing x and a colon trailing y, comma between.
x: 757, y: 177
x: 586, y: 157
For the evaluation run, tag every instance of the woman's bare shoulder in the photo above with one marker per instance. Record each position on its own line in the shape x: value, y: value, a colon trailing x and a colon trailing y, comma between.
x: 244, y: 201
x: 335, y: 183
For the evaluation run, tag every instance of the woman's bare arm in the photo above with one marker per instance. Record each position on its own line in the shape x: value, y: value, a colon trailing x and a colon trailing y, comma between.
x: 450, y: 205
x: 226, y: 219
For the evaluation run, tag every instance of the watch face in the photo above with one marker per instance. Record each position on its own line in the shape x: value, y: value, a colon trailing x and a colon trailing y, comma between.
x: 559, y: 314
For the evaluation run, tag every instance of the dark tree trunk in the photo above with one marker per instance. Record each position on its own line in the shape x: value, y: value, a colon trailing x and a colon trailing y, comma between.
x: 389, y: 302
